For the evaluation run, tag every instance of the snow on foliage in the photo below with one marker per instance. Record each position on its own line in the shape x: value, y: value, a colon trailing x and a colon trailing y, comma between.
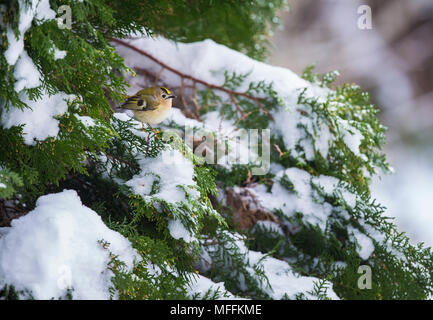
x: 305, y: 137
x: 284, y: 283
x: 281, y: 281
x: 27, y: 76
x: 35, y: 10
x: 204, y: 288
x: 169, y: 170
x: 58, y: 246
x: 311, y: 218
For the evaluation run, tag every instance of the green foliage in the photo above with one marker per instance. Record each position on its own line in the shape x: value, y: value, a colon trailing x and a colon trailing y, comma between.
x: 9, y: 181
x: 211, y: 294
x: 320, y: 289
x: 229, y: 178
x: 9, y: 292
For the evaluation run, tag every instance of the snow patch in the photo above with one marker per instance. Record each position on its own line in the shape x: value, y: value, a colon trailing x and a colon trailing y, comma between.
x: 178, y: 231
x: 26, y: 74
x: 300, y: 199
x: 59, y: 54
x: 366, y: 246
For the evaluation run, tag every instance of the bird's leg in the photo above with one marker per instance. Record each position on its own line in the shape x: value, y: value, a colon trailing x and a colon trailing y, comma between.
x: 148, y: 137
x: 154, y: 131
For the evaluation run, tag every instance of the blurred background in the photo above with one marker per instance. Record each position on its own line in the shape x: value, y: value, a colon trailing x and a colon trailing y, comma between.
x: 393, y: 61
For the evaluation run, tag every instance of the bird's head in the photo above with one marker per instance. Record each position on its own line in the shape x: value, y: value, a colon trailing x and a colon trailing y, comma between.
x: 161, y: 94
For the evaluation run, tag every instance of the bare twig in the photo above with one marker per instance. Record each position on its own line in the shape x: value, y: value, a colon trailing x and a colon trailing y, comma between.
x: 242, y: 118
x: 196, y: 107
x: 209, y: 242
x: 145, y: 72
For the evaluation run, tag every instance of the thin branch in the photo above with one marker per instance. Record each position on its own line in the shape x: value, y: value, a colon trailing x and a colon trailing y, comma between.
x: 194, y: 100
x: 237, y: 106
x: 146, y: 72
x: 182, y: 97
x: 212, y: 242
x: 264, y: 110
x: 196, y: 107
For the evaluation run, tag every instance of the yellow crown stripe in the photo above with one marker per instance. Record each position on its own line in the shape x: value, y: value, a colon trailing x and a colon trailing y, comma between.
x: 166, y: 90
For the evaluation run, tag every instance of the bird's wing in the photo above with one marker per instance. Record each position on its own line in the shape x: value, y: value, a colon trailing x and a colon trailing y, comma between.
x: 140, y: 102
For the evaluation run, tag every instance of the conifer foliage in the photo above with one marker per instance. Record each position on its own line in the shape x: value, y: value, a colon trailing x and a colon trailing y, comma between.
x: 197, y: 229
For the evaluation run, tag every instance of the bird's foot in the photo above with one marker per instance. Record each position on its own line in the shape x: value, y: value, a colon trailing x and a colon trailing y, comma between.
x: 154, y: 131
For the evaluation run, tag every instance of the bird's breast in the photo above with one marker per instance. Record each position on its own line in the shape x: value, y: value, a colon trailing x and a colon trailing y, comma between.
x: 154, y: 116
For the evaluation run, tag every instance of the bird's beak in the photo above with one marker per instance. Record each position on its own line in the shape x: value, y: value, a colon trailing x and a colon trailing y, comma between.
x: 171, y: 97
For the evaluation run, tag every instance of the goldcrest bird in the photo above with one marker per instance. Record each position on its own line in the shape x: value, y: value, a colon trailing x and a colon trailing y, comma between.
x: 150, y: 105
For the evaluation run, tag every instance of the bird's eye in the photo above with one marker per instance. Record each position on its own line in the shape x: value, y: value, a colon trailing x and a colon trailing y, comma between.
x: 164, y: 96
